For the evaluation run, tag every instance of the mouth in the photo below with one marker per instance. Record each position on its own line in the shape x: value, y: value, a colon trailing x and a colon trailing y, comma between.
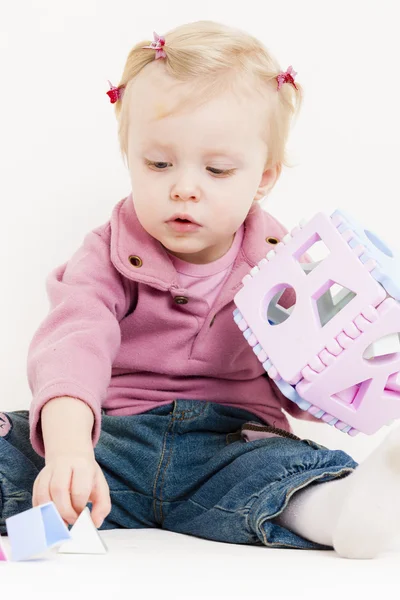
x: 183, y: 223
x: 182, y: 218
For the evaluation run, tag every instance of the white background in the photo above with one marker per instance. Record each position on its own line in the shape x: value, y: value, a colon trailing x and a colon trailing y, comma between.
x: 61, y: 171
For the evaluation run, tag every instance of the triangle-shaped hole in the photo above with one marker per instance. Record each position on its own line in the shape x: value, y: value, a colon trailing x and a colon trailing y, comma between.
x: 312, y: 253
x: 330, y: 300
x: 353, y: 395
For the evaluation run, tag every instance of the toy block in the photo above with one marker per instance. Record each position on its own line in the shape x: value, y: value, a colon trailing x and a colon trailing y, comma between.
x: 335, y: 355
x: 302, y: 331
x: 366, y: 404
x: 35, y: 531
x: 85, y: 538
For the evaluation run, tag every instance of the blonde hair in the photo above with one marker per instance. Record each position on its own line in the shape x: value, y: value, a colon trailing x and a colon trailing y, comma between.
x: 213, y: 57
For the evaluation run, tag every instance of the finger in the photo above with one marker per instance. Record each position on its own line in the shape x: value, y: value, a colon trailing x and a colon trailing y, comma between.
x: 41, y: 492
x: 100, y: 498
x: 60, y: 484
x: 81, y: 485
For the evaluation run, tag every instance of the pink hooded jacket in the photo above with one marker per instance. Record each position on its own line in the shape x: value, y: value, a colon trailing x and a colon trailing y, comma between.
x: 123, y: 336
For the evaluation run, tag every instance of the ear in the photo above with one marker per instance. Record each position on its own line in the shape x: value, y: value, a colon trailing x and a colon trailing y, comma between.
x: 269, y: 178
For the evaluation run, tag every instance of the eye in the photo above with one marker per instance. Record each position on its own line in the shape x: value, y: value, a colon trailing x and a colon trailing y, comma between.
x: 220, y: 171
x: 158, y: 165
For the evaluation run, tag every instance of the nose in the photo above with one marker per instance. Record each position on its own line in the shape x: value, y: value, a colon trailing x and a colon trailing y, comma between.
x: 185, y: 188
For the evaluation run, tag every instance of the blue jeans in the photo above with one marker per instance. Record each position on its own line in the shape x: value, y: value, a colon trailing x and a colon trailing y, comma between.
x: 186, y: 467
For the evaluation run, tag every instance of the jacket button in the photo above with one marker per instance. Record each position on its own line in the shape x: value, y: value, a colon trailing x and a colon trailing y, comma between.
x: 272, y: 240
x: 181, y: 300
x: 135, y: 261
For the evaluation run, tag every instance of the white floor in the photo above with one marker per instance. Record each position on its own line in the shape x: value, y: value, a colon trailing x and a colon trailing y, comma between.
x: 151, y: 563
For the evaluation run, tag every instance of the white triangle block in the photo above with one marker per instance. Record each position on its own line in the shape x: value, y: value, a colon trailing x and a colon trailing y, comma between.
x: 85, y: 538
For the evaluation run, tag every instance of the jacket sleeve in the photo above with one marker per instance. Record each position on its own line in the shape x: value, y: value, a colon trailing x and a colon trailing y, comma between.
x: 288, y: 299
x: 72, y: 352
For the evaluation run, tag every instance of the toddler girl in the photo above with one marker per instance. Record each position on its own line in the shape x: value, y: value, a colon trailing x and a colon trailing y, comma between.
x: 148, y: 404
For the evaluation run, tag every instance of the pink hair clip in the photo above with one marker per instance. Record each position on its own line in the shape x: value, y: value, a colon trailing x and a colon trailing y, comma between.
x: 286, y: 77
x: 115, y: 93
x: 157, y: 45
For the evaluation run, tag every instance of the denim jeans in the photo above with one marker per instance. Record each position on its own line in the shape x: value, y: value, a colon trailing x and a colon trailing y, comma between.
x: 187, y: 467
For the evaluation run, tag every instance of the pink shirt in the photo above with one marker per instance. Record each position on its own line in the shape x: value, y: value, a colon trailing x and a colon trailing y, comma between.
x: 207, y: 280
x: 126, y: 333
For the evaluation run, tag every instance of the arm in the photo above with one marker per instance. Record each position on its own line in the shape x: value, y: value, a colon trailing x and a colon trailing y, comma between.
x: 71, y: 477
x: 72, y: 352
x: 67, y: 425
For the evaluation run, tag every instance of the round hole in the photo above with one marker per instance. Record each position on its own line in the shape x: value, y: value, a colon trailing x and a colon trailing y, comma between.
x: 275, y: 310
x: 384, y: 349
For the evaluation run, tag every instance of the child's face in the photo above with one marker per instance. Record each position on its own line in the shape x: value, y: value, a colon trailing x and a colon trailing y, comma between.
x: 190, y: 149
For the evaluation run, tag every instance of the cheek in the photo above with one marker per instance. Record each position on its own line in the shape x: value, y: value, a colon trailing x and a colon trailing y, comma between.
x: 151, y: 186
x: 145, y: 216
x: 144, y: 188
x: 229, y: 217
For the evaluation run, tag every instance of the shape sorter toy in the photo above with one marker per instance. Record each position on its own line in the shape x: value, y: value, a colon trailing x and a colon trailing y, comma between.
x: 36, y: 531
x: 336, y: 356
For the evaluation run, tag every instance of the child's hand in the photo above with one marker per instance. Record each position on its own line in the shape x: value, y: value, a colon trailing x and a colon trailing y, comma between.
x: 70, y: 481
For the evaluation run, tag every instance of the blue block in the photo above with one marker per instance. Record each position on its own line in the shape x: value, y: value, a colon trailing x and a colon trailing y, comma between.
x: 32, y: 532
